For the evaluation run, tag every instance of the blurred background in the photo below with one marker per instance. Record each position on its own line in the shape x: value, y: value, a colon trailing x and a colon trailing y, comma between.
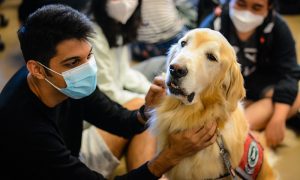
x: 285, y: 159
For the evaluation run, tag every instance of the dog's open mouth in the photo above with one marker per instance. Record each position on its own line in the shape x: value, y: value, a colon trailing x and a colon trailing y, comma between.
x: 176, y: 90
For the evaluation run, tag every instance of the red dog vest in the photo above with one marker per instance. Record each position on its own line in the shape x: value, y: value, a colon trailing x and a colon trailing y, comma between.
x: 252, y: 159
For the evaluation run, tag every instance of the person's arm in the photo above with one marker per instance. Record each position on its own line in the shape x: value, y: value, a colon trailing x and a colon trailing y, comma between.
x: 286, y: 89
x: 134, y: 104
x: 135, y: 80
x: 110, y: 116
x: 275, y: 129
x: 181, y: 145
x: 132, y: 79
x: 108, y: 75
x: 285, y: 63
x: 47, y: 156
x: 106, y: 114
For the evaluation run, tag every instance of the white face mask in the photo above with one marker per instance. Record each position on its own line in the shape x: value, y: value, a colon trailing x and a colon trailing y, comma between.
x: 121, y: 10
x: 245, y: 21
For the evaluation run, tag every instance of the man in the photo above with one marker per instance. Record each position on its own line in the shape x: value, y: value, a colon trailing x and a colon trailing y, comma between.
x: 42, y: 107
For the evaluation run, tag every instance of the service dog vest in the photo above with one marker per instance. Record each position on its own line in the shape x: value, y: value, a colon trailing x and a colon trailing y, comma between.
x: 252, y: 159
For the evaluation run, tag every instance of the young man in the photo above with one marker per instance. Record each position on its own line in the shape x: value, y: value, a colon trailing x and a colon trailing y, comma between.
x: 43, y: 106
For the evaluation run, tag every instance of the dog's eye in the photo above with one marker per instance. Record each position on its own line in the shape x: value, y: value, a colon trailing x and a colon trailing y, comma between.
x: 211, y: 57
x: 183, y: 43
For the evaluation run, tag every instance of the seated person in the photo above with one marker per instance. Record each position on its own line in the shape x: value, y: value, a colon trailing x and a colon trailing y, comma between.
x: 160, y: 28
x: 42, y: 107
x: 266, y: 51
x: 115, y: 23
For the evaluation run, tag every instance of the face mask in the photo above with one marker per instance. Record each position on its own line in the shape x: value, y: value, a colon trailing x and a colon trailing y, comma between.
x: 245, y: 21
x: 81, y: 81
x: 121, y: 10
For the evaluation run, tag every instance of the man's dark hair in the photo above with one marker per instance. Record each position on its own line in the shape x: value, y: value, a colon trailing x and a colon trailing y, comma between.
x: 49, y: 26
x: 111, y: 28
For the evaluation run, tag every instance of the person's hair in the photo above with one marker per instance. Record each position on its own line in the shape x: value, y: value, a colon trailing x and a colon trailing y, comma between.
x: 47, y: 27
x: 270, y: 2
x: 111, y: 28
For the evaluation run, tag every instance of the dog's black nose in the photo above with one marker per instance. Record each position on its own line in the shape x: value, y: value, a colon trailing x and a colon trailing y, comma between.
x: 178, y: 71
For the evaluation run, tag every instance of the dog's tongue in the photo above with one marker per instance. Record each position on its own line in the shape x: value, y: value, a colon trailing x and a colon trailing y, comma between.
x: 191, y: 97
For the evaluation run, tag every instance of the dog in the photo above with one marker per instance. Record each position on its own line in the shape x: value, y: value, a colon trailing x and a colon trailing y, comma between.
x: 204, y: 83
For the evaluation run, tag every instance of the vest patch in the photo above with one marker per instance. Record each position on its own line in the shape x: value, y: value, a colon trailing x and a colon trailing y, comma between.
x: 252, y: 158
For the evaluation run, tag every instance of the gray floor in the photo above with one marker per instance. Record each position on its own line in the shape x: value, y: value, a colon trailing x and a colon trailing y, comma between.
x: 286, y: 159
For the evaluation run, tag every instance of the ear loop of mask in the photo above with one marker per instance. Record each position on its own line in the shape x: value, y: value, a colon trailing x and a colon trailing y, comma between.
x: 53, y: 72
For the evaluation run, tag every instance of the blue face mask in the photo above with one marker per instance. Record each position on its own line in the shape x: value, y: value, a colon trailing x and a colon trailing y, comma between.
x: 81, y: 81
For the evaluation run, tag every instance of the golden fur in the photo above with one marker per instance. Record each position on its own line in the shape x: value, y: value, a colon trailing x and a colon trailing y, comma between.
x: 218, y: 88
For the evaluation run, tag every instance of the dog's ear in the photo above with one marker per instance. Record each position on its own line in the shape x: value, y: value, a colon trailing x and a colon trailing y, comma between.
x: 233, y: 85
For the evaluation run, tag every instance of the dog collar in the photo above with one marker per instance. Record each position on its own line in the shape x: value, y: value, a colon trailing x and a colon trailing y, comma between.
x: 225, y: 155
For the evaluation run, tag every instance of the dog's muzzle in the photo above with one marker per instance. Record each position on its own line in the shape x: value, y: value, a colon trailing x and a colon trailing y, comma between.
x: 177, y: 72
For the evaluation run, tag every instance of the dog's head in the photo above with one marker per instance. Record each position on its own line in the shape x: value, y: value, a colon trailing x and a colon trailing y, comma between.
x: 203, y: 65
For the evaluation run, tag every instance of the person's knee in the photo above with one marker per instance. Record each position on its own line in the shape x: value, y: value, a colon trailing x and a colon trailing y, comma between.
x: 116, y: 144
x: 259, y: 113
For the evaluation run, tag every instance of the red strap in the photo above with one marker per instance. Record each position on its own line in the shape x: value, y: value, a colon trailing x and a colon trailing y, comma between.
x: 252, y: 158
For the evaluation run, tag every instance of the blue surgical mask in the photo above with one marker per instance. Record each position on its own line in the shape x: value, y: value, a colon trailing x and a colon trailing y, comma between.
x: 81, y: 81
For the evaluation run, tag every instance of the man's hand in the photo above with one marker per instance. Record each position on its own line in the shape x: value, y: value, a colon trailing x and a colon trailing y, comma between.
x: 188, y: 142
x: 183, y: 144
x: 156, y: 92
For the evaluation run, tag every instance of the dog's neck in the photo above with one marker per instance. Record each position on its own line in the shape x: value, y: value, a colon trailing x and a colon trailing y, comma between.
x: 194, y: 115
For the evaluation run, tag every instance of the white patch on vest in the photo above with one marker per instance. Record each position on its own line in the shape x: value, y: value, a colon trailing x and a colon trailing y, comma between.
x: 253, y: 154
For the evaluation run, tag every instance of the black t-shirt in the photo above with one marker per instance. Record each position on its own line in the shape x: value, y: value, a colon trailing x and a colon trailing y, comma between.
x: 38, y: 142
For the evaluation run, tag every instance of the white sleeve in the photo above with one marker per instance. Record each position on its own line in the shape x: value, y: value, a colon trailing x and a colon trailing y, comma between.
x: 107, y: 70
x: 135, y: 80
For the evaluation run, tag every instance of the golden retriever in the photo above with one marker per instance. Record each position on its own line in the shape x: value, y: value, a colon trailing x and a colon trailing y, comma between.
x: 204, y: 83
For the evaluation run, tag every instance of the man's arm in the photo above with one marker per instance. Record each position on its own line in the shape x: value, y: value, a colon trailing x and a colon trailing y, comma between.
x: 181, y: 144
x: 102, y: 112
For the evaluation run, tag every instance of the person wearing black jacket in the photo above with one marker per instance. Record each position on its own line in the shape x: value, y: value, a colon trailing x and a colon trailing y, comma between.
x: 266, y: 51
x: 43, y: 106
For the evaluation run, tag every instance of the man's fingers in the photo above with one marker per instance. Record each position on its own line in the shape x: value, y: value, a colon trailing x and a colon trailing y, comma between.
x: 212, y: 128
x: 210, y: 141
x: 156, y: 89
x: 159, y: 81
x: 207, y: 131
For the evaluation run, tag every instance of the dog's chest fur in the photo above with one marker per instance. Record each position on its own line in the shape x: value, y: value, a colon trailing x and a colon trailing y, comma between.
x: 206, y: 164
